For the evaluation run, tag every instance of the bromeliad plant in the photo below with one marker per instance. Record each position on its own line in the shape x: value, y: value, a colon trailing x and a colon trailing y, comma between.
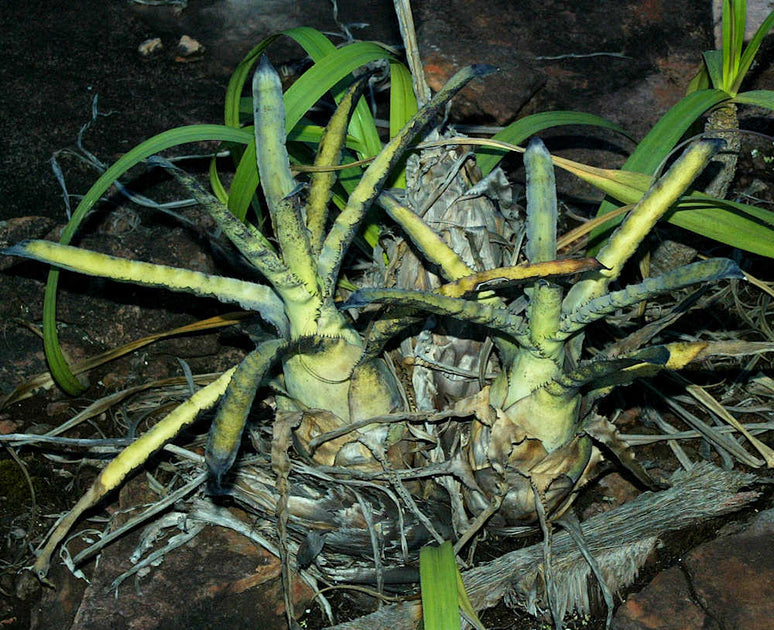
x: 536, y: 438
x: 319, y: 351
x: 324, y: 375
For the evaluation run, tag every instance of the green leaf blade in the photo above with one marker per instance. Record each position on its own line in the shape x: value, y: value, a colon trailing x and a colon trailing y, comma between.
x: 438, y: 581
x: 519, y: 131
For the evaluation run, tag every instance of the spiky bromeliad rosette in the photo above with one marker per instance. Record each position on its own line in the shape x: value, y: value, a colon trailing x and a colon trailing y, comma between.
x: 350, y: 469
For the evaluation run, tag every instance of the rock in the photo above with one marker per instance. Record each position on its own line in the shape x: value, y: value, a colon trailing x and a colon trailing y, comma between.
x: 217, y: 579
x: 665, y: 604
x: 150, y: 47
x: 554, y: 57
x: 733, y: 577
x: 724, y: 583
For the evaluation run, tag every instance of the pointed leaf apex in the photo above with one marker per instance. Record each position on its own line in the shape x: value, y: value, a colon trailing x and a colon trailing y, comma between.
x: 264, y: 65
x: 483, y: 69
x: 356, y: 300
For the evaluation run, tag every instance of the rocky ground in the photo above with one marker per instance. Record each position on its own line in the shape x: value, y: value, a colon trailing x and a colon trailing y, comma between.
x: 627, y: 60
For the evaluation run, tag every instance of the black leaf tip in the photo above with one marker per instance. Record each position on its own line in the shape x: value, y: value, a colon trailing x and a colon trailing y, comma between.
x: 16, y: 250
x: 218, y: 464
x: 483, y: 69
x: 731, y: 270
x: 356, y: 300
x: 264, y: 65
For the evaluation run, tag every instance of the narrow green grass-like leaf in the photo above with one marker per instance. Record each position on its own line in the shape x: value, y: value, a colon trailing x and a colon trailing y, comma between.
x: 517, y: 132
x: 759, y: 98
x: 362, y: 125
x: 723, y: 222
x: 751, y: 50
x: 713, y: 61
x: 438, y: 580
x: 325, y: 74
x: 174, y: 137
x: 403, y: 105
x: 658, y: 143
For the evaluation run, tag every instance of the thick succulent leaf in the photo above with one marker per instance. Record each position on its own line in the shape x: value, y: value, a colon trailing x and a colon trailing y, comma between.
x: 675, y: 356
x: 328, y: 155
x: 294, y: 239
x: 487, y: 158
x: 252, y: 244
x: 347, y: 223
x: 389, y: 326
x: 736, y: 224
x: 131, y: 458
x: 487, y: 314
x: 541, y: 203
x: 238, y: 79
x: 229, y: 423
x: 248, y: 295
x: 317, y: 46
x: 156, y: 144
x: 660, y: 141
x: 502, y: 277
x: 269, y: 120
x: 289, y: 283
x: 545, y: 304
x: 699, y: 272
x: 640, y: 221
x: 325, y: 75
x: 612, y: 371
x: 424, y: 238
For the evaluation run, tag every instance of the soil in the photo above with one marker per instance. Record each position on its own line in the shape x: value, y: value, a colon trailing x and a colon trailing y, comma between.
x: 62, y: 60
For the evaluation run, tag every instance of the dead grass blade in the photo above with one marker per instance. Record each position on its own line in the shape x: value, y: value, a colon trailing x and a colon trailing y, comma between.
x: 705, y: 398
x: 45, y: 380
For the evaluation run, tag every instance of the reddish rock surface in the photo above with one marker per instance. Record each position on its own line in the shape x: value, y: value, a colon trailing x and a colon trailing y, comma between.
x: 722, y: 584
x: 219, y: 579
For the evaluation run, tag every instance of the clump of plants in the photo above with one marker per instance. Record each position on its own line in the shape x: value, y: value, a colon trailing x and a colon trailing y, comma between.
x: 351, y: 461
